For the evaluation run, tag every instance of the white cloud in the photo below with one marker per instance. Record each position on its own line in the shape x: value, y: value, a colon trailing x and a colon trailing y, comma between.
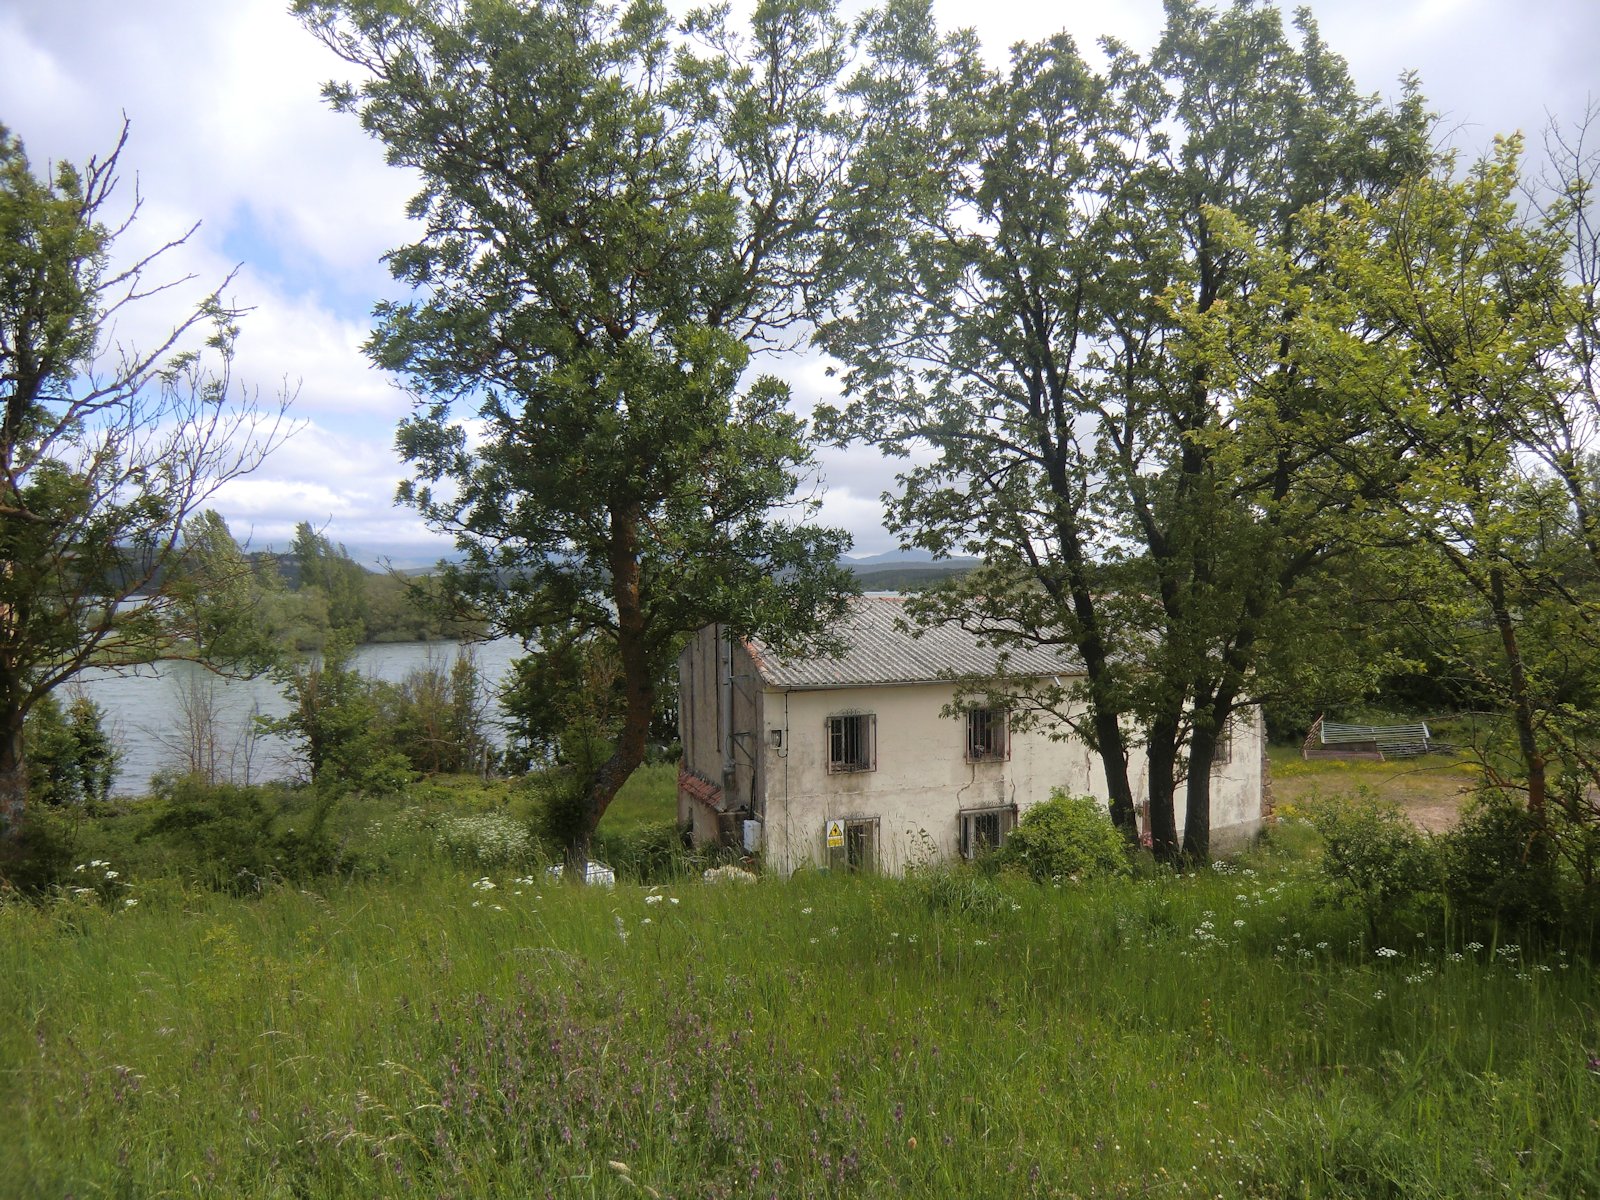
x: 345, y: 482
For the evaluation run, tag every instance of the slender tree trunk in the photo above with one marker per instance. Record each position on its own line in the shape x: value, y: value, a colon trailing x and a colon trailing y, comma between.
x: 1114, y: 762
x: 1533, y: 759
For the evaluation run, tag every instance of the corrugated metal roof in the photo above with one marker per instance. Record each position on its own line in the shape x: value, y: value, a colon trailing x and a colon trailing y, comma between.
x: 882, y: 646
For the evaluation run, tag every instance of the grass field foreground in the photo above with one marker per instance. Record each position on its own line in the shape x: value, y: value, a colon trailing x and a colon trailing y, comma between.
x: 462, y: 1034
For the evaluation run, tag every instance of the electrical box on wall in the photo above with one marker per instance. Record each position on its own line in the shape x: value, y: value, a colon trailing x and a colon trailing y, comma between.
x: 775, y: 736
x: 752, y: 837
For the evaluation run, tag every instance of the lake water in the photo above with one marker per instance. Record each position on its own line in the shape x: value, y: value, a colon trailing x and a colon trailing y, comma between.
x: 146, y: 709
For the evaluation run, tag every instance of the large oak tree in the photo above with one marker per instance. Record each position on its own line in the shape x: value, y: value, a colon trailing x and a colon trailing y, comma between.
x: 614, y: 210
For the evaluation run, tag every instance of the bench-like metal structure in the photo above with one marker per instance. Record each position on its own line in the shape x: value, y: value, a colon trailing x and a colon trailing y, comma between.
x: 1374, y: 743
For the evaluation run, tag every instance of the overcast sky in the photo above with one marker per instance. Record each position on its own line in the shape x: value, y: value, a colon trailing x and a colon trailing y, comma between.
x: 228, y: 130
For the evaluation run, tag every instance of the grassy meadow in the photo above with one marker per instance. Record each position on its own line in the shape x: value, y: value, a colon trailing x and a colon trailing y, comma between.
x: 458, y: 1025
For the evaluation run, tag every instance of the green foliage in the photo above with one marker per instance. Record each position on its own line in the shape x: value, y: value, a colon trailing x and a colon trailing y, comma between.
x: 108, y: 453
x: 623, y: 209
x: 341, y: 581
x: 334, y: 719
x: 1498, y: 868
x: 1067, y: 837
x: 437, y: 717
x: 235, y: 839
x: 1374, y: 860
x: 216, y: 589
x: 560, y: 793
x: 71, y: 757
x: 43, y: 855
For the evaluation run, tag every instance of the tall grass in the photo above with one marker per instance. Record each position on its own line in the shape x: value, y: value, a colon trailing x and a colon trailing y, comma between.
x: 1216, y: 1034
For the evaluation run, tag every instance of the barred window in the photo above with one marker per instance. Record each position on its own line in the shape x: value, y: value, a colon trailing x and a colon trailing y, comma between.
x: 985, y: 829
x: 851, y: 740
x: 987, y: 734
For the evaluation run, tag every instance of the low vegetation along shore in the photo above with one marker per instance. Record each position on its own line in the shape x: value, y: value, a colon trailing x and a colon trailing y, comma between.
x: 446, y: 1019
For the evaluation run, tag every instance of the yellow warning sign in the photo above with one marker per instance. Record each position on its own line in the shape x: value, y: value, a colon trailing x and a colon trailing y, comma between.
x: 835, y: 835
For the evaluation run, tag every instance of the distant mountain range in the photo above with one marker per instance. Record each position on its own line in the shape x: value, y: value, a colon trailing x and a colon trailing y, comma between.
x: 889, y: 571
x: 909, y: 558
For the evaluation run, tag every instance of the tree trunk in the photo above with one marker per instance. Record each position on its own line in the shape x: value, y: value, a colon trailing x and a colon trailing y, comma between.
x: 1197, y: 807
x: 1533, y: 759
x: 1114, y: 762
x: 638, y: 688
x: 1162, y: 758
x: 13, y: 777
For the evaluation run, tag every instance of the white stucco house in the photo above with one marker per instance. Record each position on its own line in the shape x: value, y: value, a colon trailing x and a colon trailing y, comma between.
x: 851, y: 761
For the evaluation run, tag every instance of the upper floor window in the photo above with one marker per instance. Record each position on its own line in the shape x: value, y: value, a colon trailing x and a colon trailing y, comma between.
x: 851, y: 742
x: 987, y: 734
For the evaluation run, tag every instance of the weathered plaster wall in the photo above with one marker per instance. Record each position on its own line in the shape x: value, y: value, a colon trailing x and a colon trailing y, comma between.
x: 922, y: 780
x: 921, y: 783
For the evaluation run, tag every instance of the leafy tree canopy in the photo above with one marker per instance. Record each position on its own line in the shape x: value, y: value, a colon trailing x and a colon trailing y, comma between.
x: 616, y: 210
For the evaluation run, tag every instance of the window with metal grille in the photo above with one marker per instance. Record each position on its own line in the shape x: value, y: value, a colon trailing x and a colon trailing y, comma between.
x: 1222, y: 752
x: 984, y: 829
x: 850, y: 742
x: 986, y: 734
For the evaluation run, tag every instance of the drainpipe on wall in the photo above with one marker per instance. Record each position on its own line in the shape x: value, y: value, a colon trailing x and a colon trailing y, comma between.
x: 726, y: 710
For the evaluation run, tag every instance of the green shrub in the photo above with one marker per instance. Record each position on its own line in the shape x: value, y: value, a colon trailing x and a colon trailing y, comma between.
x: 42, y: 855
x: 229, y: 838
x: 71, y: 758
x: 1494, y: 871
x: 1374, y: 860
x: 1067, y: 837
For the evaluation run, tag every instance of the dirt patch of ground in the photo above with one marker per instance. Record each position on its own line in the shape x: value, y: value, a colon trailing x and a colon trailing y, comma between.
x: 1431, y: 790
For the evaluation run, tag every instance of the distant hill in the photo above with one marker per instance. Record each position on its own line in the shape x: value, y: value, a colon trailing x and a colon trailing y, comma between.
x: 905, y: 579
x: 910, y: 558
x: 897, y: 570
x: 906, y: 570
